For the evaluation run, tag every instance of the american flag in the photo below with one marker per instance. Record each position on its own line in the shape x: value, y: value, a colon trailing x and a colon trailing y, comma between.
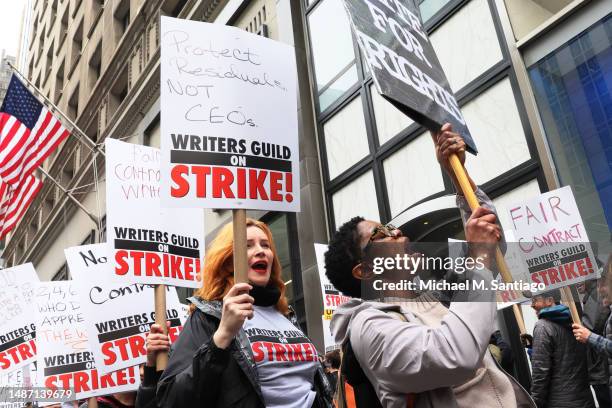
x: 15, y: 202
x: 28, y: 135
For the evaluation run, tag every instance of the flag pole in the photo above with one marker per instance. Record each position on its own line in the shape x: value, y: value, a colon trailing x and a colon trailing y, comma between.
x: 83, y: 137
x: 73, y: 198
x: 470, y: 196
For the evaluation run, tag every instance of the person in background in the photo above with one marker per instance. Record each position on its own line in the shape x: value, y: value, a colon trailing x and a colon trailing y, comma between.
x: 527, y: 341
x: 119, y: 400
x: 601, y: 344
x: 156, y: 342
x: 241, y: 346
x: 504, y: 357
x: 595, y: 313
x: 559, y: 376
x: 332, y: 365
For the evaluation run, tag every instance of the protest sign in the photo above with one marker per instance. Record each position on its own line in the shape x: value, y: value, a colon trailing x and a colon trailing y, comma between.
x: 552, y: 239
x: 16, y: 387
x: 332, y: 298
x: 403, y: 63
x: 118, y: 316
x: 148, y: 243
x: 17, y: 326
x: 229, y: 133
x: 516, y: 265
x: 64, y: 358
x: 10, y: 382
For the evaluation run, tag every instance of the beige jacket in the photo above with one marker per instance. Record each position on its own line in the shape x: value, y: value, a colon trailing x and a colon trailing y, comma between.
x: 439, y: 354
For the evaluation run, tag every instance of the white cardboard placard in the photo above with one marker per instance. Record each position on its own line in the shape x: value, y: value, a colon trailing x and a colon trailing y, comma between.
x: 229, y: 134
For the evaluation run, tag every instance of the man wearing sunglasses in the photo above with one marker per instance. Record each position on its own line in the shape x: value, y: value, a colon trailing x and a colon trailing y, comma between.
x: 419, y: 353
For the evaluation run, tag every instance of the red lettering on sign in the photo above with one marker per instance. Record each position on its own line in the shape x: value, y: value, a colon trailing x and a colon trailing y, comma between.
x: 155, y: 264
x: 90, y: 380
x: 231, y: 183
x: 124, y: 349
x: 178, y: 174
x: 17, y: 354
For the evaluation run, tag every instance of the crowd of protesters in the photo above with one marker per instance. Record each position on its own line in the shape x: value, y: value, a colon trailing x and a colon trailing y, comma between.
x: 242, y: 346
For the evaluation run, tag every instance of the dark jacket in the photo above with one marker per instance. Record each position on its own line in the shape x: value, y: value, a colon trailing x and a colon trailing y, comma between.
x: 594, y: 318
x: 560, y: 375
x: 199, y: 374
x: 106, y: 401
x: 145, y: 398
x: 507, y: 359
x: 608, y: 335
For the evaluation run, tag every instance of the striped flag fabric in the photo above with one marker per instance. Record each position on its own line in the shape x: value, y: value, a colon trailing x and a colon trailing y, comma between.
x: 15, y: 201
x: 28, y: 134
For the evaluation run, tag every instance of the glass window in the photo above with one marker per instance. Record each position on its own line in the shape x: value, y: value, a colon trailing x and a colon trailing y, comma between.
x: 152, y: 134
x: 403, y: 190
x: 495, y: 125
x: 504, y: 201
x: 389, y: 120
x: 346, y: 204
x: 527, y: 15
x: 573, y: 89
x: 331, y: 92
x: 430, y: 7
x: 332, y: 50
x: 346, y: 140
x: 467, y: 44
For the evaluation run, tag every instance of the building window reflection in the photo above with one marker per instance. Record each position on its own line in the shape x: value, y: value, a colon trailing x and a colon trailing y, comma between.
x: 333, y: 52
x: 573, y: 87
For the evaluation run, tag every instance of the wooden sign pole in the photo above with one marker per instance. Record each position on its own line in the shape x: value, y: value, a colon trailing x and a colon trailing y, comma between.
x: 470, y: 196
x: 240, y: 246
x: 92, y: 402
x: 161, y: 360
x: 566, y: 297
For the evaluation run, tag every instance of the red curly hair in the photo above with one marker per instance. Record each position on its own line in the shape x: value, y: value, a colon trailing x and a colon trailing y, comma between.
x: 218, y: 271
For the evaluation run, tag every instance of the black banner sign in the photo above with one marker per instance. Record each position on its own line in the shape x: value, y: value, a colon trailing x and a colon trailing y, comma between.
x: 403, y: 63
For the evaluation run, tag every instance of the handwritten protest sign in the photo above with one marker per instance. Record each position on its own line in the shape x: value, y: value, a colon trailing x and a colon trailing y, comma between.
x: 16, y: 387
x: 552, y: 239
x: 403, y: 63
x: 229, y: 118
x: 332, y: 298
x: 118, y: 316
x: 17, y: 326
x: 148, y: 243
x: 9, y: 383
x: 64, y: 357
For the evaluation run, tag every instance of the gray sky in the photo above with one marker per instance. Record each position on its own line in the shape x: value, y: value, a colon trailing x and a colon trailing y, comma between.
x: 10, y: 21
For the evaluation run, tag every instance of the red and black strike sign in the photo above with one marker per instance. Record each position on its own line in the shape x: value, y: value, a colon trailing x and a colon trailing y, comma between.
x: 17, y: 350
x: 574, y: 265
x: 123, y: 343
x: 236, y: 176
x: 155, y: 258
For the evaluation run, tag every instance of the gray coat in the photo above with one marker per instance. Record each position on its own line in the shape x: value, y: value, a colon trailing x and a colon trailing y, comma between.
x: 402, y: 358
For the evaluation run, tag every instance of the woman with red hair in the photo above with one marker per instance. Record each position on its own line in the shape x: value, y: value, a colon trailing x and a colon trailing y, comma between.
x: 239, y: 347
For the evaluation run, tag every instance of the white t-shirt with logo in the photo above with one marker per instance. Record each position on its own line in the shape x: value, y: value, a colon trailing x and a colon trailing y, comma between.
x: 286, y: 361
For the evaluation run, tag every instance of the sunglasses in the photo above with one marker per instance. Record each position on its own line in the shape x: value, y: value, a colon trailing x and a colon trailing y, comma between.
x: 382, y: 231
